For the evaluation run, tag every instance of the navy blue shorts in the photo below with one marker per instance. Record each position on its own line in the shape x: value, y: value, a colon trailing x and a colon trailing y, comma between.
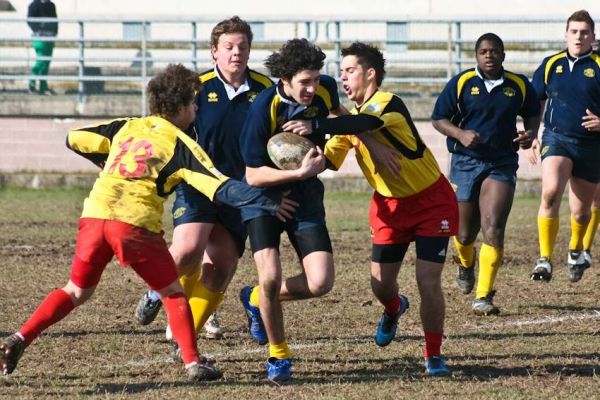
x: 585, y: 154
x: 192, y: 206
x: 468, y: 173
x: 308, y: 194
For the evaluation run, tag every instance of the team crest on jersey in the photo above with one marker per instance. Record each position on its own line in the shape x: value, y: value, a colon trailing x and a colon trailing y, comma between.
x: 509, y: 92
x: 444, y: 226
x: 311, y: 112
x: 213, y: 97
x: 544, y: 150
x: 251, y: 96
x: 178, y: 212
x: 474, y: 91
x: 373, y: 107
x: 559, y: 69
x: 589, y: 72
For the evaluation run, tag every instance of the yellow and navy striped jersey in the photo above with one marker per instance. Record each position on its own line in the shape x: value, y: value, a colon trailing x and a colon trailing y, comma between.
x: 467, y: 103
x: 418, y: 167
x: 143, y: 160
x: 570, y: 86
x: 219, y: 119
x: 272, y: 109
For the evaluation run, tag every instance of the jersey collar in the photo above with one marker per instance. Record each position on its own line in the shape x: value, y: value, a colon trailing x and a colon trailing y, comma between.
x: 490, y: 83
x: 229, y: 89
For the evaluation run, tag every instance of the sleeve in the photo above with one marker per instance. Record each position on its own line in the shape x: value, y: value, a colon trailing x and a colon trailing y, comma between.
x: 330, y: 85
x: 531, y: 104
x: 255, y: 134
x: 198, y: 170
x: 347, y: 124
x: 446, y: 105
x: 53, y: 26
x: 336, y: 150
x: 33, y: 12
x: 93, y: 142
x: 539, y: 86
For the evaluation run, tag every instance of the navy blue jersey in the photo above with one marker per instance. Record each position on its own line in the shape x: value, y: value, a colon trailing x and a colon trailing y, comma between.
x: 466, y: 102
x: 272, y: 109
x: 569, y: 92
x: 219, y: 120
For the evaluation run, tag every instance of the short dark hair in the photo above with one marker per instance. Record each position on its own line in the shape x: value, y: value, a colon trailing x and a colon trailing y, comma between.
x: 294, y: 56
x: 581, y: 16
x: 173, y: 87
x: 368, y: 57
x: 231, y: 25
x: 490, y: 37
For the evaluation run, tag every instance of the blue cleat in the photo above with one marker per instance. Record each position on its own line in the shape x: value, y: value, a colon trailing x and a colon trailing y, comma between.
x: 279, y: 370
x: 386, y: 328
x: 436, y: 366
x: 255, y: 323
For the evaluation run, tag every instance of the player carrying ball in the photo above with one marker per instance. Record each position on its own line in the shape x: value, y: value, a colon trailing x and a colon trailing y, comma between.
x: 142, y: 161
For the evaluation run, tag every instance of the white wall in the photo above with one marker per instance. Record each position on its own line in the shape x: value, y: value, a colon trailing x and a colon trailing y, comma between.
x: 261, y: 9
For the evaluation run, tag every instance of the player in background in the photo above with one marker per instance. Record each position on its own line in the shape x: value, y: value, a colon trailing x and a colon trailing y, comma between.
x: 477, y: 111
x: 142, y: 159
x: 208, y: 238
x: 301, y: 103
x: 416, y: 204
x: 568, y: 84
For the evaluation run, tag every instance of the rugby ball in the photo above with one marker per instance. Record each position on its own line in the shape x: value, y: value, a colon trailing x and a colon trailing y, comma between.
x: 287, y: 149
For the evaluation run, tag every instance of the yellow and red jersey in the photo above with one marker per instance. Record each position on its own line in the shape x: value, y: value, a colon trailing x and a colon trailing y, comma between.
x: 418, y: 167
x: 143, y: 160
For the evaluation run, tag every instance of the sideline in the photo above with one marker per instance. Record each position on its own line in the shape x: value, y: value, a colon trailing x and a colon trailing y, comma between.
x: 545, y: 320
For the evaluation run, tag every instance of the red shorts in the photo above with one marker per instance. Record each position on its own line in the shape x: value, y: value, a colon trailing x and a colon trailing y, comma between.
x: 430, y: 213
x: 99, y: 239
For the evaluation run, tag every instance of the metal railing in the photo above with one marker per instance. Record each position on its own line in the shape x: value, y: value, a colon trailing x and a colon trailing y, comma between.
x: 423, y: 51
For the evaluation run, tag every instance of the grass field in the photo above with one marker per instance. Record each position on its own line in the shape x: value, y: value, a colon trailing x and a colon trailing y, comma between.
x: 545, y: 343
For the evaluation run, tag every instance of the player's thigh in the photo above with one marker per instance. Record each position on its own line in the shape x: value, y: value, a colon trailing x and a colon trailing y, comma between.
x: 188, y: 244
x: 495, y: 202
x: 222, y: 251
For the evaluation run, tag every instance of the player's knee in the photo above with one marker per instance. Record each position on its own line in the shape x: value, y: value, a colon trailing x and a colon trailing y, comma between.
x: 551, y: 199
x: 186, y: 258
x: 321, y: 287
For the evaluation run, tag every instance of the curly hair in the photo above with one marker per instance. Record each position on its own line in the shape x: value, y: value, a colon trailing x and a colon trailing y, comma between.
x: 368, y: 57
x: 172, y: 88
x: 231, y: 25
x: 296, y: 55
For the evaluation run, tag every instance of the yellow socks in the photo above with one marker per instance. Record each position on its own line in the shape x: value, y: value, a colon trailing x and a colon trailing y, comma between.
x: 188, y: 282
x: 203, y: 302
x: 547, y: 231
x: 254, y: 295
x: 489, y: 262
x: 466, y: 253
x: 592, y: 227
x: 280, y: 350
x: 577, y: 233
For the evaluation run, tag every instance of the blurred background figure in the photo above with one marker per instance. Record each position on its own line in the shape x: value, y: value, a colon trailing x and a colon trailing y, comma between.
x: 43, y: 48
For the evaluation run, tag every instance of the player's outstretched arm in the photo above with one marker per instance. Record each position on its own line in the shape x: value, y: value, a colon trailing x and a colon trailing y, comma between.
x: 240, y: 195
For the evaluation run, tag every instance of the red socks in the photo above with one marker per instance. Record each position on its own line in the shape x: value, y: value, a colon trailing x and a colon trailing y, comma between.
x: 433, y: 344
x: 393, y: 306
x: 181, y: 322
x: 54, y: 308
